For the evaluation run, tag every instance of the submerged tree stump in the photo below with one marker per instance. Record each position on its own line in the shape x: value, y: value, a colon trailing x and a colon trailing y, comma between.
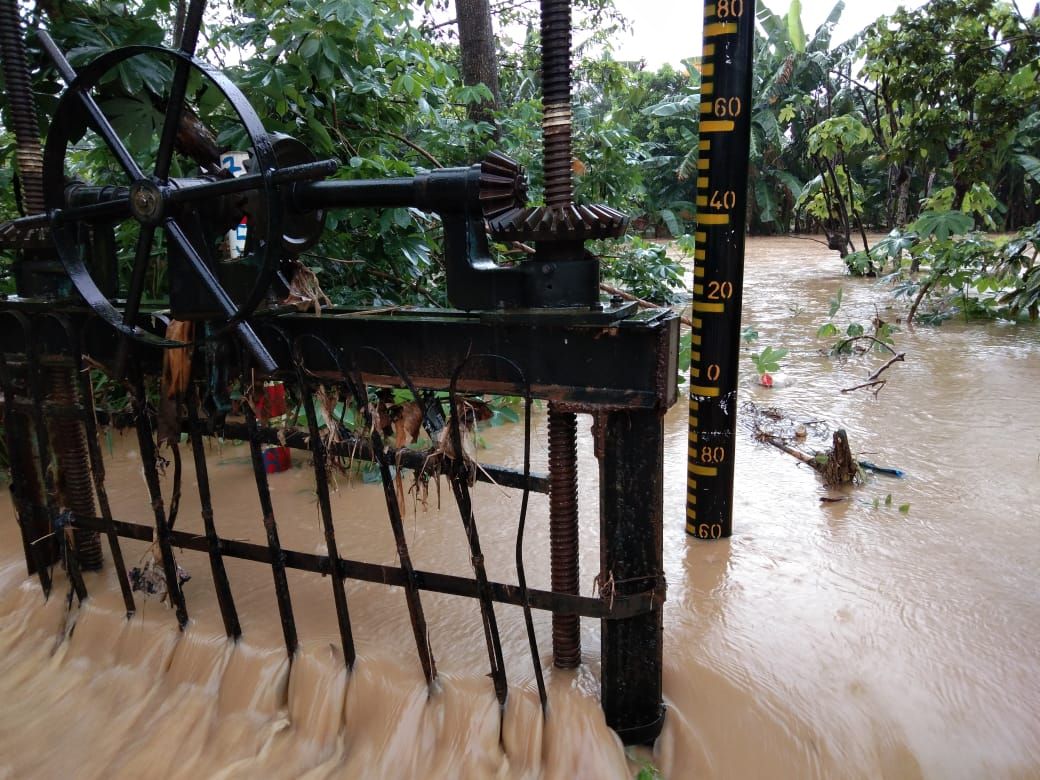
x: 838, y: 467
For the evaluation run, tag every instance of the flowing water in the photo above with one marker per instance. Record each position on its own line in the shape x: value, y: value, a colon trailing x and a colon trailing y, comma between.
x: 825, y: 639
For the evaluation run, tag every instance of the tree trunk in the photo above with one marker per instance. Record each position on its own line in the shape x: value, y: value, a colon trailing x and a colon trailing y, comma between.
x: 960, y: 190
x: 902, y: 199
x: 477, y: 45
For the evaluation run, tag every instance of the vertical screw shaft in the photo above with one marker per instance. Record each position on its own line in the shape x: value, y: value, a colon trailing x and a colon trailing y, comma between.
x: 563, y: 426
x: 22, y: 107
x: 68, y: 439
x: 556, y: 102
x: 563, y: 532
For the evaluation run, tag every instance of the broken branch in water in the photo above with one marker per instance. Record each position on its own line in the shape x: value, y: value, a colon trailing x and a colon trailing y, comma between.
x: 874, y: 380
x: 894, y: 359
x: 836, y: 465
x: 878, y: 384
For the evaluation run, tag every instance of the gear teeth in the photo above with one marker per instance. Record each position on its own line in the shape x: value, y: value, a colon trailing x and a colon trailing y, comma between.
x: 503, y: 185
x: 569, y: 223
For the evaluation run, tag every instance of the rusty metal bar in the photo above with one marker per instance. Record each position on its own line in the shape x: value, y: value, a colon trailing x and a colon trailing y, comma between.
x: 228, y: 612
x: 97, y: 472
x: 622, y: 607
x: 67, y: 536
x: 34, y: 383
x: 321, y: 479
x: 411, y: 588
x: 631, y: 561
x: 151, y: 477
x: 521, y: 574
x: 68, y: 442
x: 277, y: 558
x: 592, y: 374
x: 360, y: 449
x: 25, y: 480
x: 458, y: 475
x: 563, y: 532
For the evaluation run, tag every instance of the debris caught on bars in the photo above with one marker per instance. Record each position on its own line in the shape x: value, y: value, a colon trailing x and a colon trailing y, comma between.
x: 176, y: 373
x: 470, y: 411
x: 150, y: 579
x: 305, y: 292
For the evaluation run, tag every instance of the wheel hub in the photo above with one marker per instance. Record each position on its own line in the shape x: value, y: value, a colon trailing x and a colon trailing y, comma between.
x: 147, y: 202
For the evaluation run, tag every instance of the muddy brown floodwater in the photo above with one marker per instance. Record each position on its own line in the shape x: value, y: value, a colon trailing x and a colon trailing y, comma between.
x: 823, y: 640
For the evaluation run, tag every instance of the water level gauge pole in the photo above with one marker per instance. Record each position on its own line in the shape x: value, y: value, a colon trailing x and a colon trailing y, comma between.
x: 722, y: 177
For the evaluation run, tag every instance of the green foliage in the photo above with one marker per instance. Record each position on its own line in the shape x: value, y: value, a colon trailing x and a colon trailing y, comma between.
x: 957, y: 76
x: 646, y: 769
x: 838, y: 134
x: 963, y: 271
x: 685, y: 345
x: 877, y: 335
x: 649, y: 772
x: 790, y: 71
x: 937, y: 104
x: 940, y: 225
x: 645, y: 269
x: 636, y: 142
x: 835, y: 302
x: 768, y: 360
x: 904, y: 509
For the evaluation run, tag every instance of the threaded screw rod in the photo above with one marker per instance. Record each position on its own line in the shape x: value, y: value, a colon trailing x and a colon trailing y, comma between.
x: 68, y: 440
x: 563, y: 532
x: 22, y: 108
x: 556, y: 102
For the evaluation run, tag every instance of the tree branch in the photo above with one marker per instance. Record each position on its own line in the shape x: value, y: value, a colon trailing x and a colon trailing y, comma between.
x: 841, y: 344
x: 917, y: 301
x: 611, y: 290
x: 408, y: 142
x: 403, y: 139
x: 878, y: 383
x: 901, y: 357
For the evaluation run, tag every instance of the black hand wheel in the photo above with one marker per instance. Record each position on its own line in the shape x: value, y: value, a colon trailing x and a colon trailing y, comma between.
x: 153, y: 199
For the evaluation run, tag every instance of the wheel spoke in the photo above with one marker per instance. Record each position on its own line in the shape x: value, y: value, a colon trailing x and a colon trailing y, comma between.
x: 174, y: 109
x: 178, y: 88
x: 198, y: 265
x: 192, y: 24
x: 98, y: 120
x: 142, y: 259
x: 245, y: 333
x: 113, y: 141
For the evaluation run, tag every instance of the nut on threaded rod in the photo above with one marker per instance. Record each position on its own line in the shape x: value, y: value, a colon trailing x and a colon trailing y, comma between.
x: 563, y: 532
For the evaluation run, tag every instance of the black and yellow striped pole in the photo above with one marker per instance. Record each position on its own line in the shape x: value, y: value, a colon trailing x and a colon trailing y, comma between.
x: 722, y: 172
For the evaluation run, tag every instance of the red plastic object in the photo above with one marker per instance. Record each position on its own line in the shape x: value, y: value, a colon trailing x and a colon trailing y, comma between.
x: 272, y: 402
x: 765, y: 380
x: 276, y: 459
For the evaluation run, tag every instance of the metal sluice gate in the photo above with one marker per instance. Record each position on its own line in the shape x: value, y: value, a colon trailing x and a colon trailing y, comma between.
x: 536, y: 329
